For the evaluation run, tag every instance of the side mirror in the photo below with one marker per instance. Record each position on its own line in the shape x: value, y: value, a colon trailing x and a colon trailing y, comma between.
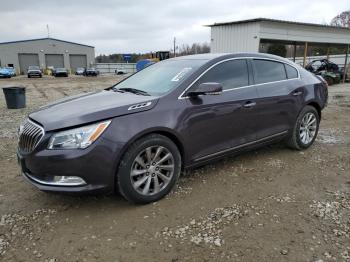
x: 206, y: 89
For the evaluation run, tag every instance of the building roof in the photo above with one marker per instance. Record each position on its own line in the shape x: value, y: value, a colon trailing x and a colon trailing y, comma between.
x: 45, y: 38
x: 276, y: 21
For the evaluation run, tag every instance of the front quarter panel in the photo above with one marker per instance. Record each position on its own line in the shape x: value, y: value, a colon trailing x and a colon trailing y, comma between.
x: 125, y: 130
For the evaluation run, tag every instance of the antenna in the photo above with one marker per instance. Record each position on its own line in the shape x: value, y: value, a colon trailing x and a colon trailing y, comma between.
x: 48, y: 31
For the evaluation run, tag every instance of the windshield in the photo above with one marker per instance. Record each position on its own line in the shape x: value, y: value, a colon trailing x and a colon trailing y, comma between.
x: 33, y: 68
x: 161, y: 77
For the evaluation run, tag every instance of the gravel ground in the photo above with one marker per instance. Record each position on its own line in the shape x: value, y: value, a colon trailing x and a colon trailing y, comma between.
x: 273, y: 204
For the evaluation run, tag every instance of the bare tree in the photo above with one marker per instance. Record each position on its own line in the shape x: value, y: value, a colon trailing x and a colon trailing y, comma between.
x: 195, y: 48
x: 343, y: 19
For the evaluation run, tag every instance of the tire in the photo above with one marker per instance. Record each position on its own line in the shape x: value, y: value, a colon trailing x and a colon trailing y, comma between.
x: 297, y: 140
x: 146, y: 172
x: 28, y: 76
x: 329, y: 80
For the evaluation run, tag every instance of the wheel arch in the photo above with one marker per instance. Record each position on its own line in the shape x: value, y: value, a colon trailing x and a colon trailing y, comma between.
x: 316, y: 106
x: 169, y: 133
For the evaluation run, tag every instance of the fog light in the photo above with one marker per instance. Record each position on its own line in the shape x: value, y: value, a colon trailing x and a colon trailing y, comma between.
x: 68, y: 181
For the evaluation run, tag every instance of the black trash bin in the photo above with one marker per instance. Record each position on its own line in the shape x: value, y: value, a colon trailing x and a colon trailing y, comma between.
x: 15, y: 97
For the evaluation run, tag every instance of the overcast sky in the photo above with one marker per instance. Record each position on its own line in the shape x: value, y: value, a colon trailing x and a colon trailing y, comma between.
x: 124, y: 26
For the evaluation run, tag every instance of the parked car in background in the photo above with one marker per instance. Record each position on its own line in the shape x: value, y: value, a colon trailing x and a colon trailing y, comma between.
x: 60, y: 72
x: 91, y: 72
x: 12, y: 70
x: 80, y: 71
x: 327, y: 69
x: 120, y: 71
x: 34, y: 71
x: 137, y: 136
x: 5, y: 73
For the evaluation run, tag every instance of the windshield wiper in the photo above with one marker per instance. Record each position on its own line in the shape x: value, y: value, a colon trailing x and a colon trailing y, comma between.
x: 133, y: 90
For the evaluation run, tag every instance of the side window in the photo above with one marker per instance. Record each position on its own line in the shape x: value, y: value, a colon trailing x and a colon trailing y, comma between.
x: 230, y: 74
x: 268, y: 71
x: 291, y: 72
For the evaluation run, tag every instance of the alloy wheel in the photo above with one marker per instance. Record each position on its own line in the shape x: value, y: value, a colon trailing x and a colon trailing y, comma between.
x: 152, y: 170
x: 308, y: 127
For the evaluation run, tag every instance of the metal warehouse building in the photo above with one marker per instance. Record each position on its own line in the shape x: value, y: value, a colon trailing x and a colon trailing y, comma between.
x: 250, y: 35
x: 45, y: 52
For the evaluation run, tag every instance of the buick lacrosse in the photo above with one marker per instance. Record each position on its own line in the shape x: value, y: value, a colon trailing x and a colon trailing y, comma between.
x: 137, y: 136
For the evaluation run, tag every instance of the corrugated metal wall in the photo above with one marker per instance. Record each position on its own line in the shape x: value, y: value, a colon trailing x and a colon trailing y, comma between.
x: 9, y: 52
x: 77, y: 61
x: 303, y: 33
x: 238, y: 38
x: 26, y: 60
x: 107, y: 68
x: 55, y: 60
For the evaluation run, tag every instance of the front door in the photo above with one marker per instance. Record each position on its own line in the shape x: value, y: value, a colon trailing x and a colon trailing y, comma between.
x: 218, y: 123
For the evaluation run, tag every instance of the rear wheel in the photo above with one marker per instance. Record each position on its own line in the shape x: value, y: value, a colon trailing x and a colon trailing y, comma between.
x: 305, y: 129
x: 149, y: 169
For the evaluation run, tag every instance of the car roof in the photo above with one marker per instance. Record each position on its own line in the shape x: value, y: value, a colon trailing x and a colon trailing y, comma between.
x: 222, y: 56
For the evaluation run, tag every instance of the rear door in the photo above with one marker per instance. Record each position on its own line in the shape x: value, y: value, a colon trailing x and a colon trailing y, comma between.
x: 217, y: 123
x: 280, y: 96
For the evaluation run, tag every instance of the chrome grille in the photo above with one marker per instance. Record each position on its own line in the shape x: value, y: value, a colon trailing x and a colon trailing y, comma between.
x: 30, y: 136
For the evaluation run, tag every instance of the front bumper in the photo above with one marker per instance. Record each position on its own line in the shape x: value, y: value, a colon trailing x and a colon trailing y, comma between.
x: 5, y: 75
x: 61, y: 74
x: 34, y: 73
x: 44, y: 186
x: 96, y: 165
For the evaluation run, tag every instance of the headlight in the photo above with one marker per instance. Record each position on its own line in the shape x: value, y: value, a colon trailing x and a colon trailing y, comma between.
x: 80, y: 137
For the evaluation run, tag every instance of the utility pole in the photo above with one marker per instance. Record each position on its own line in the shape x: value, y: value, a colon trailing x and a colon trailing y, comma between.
x: 48, y: 31
x: 346, y: 63
x: 174, y: 46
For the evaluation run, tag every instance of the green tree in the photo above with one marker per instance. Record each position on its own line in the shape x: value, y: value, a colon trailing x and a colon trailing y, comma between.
x: 277, y: 49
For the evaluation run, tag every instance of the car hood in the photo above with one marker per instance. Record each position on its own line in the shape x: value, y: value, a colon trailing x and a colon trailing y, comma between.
x: 34, y: 71
x: 90, y: 107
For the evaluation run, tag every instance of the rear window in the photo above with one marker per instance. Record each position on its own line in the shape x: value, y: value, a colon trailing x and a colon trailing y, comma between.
x: 291, y: 72
x: 268, y: 71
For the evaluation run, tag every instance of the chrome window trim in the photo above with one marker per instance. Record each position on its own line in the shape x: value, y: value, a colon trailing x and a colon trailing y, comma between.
x: 241, y: 87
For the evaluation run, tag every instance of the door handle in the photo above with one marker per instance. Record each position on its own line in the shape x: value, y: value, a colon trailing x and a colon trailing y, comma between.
x: 297, y: 93
x: 249, y: 104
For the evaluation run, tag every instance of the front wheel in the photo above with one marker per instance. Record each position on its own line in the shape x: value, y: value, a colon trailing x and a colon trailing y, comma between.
x: 149, y: 169
x: 305, y: 129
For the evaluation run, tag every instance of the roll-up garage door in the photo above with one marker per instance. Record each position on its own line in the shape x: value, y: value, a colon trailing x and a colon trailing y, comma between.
x: 77, y: 61
x: 54, y: 60
x: 26, y: 60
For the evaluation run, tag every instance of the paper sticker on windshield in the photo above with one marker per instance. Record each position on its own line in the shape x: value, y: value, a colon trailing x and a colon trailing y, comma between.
x: 181, y: 74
